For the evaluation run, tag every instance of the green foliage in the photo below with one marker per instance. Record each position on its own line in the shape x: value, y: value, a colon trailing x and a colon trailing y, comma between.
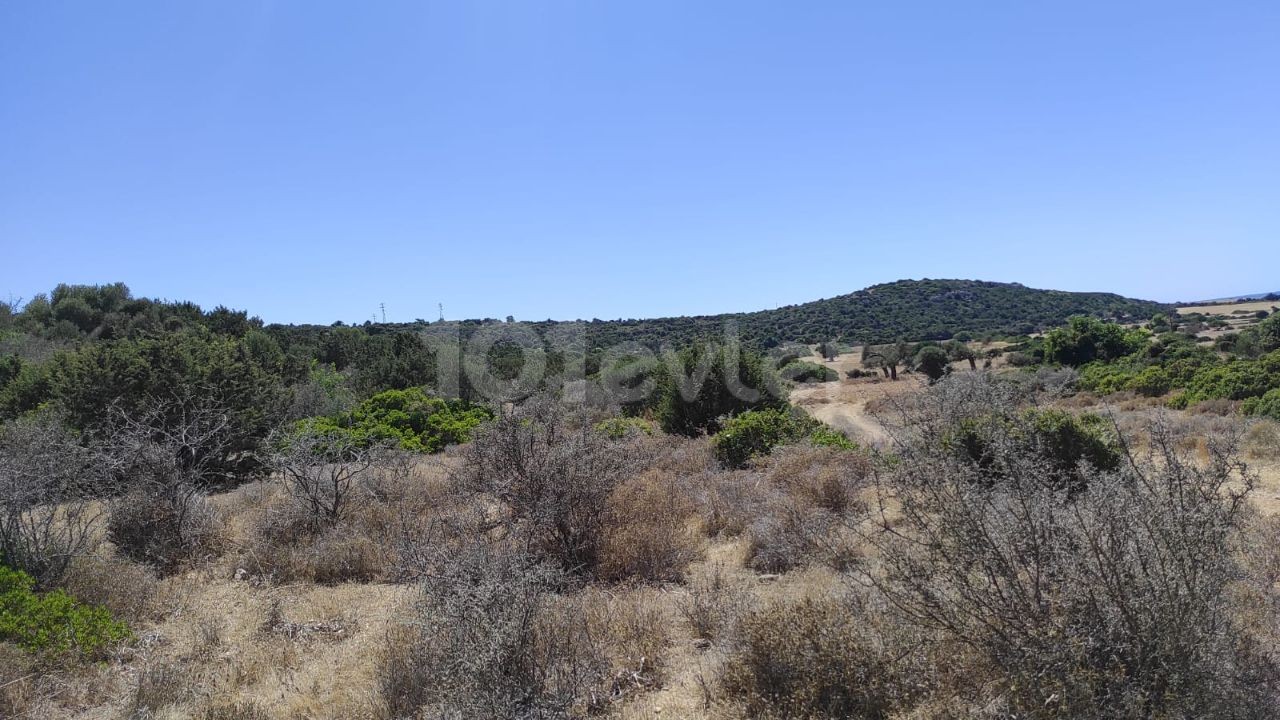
x: 1087, y: 339
x: 1058, y: 438
x: 756, y: 433
x: 933, y: 362
x: 1267, y: 405
x: 617, y: 428
x: 806, y: 372
x: 410, y: 419
x: 53, y: 622
x: 1237, y: 379
x: 702, y: 384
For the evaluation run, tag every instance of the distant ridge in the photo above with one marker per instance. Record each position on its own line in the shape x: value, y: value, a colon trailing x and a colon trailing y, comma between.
x: 907, y: 309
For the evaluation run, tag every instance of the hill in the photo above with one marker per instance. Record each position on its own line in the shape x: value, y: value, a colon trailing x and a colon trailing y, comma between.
x: 911, y: 309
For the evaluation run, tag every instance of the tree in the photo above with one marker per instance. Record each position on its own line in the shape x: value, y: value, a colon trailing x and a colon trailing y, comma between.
x: 886, y: 357
x: 933, y: 362
x: 702, y: 384
x: 1085, y: 339
x: 318, y: 470
x: 957, y: 350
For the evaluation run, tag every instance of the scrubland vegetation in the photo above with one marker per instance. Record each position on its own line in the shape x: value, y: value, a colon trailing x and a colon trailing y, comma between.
x: 201, y: 517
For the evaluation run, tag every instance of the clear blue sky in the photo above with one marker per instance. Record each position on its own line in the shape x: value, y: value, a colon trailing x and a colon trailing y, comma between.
x: 309, y: 160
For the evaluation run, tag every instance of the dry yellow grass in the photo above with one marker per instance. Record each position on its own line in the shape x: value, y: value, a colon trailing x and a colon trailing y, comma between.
x: 1230, y: 308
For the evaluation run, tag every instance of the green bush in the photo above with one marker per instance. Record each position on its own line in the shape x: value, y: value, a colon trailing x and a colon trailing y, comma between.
x: 807, y: 372
x: 756, y: 433
x: 702, y: 384
x: 617, y: 428
x: 53, y: 622
x: 1058, y: 438
x: 409, y: 419
x: 1086, y: 339
x: 1267, y: 405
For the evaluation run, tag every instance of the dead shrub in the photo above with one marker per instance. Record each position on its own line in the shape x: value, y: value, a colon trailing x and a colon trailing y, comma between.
x: 1108, y: 601
x: 630, y: 631
x: 1262, y: 440
x: 647, y: 536
x: 714, y: 604
x: 728, y: 501
x: 823, y: 477
x: 47, y: 518
x: 161, y: 685
x: 486, y: 639
x: 248, y: 710
x: 551, y: 475
x: 812, y: 659
x: 287, y: 545
x: 127, y: 589
x: 165, y: 529
x: 17, y: 681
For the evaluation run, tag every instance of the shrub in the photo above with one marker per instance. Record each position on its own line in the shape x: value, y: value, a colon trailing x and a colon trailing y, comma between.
x: 53, y: 622
x: 1086, y: 339
x: 46, y: 518
x: 617, y: 428
x: 811, y: 659
x: 1267, y: 406
x: 756, y: 432
x: 551, y: 475
x: 480, y: 644
x: 806, y: 372
x: 409, y: 419
x: 701, y: 385
x: 1057, y: 439
x: 646, y: 536
x: 1013, y: 568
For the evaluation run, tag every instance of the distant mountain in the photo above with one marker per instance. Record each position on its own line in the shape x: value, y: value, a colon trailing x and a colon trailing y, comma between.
x: 910, y: 309
x: 1275, y: 295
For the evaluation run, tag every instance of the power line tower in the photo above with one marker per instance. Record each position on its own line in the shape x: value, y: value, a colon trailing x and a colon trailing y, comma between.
x: 441, y: 312
x: 383, y: 308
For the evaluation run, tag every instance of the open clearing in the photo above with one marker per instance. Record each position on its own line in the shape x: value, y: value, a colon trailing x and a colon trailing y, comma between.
x: 1231, y: 308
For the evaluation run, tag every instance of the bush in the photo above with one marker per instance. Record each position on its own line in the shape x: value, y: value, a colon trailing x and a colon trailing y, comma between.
x: 408, y: 419
x: 933, y: 362
x: 46, y: 518
x: 806, y: 372
x: 53, y: 622
x: 1086, y: 339
x: 756, y: 432
x: 551, y: 475
x: 1267, y: 406
x: 1013, y: 567
x: 480, y: 644
x: 702, y: 385
x: 646, y: 537
x: 811, y: 659
x: 1058, y: 440
x: 617, y: 428
x: 164, y: 530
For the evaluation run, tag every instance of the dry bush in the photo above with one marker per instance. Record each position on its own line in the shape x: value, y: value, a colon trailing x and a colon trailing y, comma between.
x: 821, y: 477
x: 236, y: 711
x: 287, y: 545
x: 813, y: 659
x: 127, y: 589
x: 47, y: 516
x: 629, y: 633
x: 385, y: 505
x: 647, y: 536
x: 728, y: 502
x: 167, y: 457
x: 1262, y: 440
x: 160, y: 685
x: 486, y: 639
x: 17, y: 682
x: 165, y: 529
x: 1110, y: 601
x: 550, y: 474
x: 714, y: 604
x: 319, y: 472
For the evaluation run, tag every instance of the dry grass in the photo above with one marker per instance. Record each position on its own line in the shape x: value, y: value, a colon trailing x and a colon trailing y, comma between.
x: 1230, y: 308
x: 718, y: 594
